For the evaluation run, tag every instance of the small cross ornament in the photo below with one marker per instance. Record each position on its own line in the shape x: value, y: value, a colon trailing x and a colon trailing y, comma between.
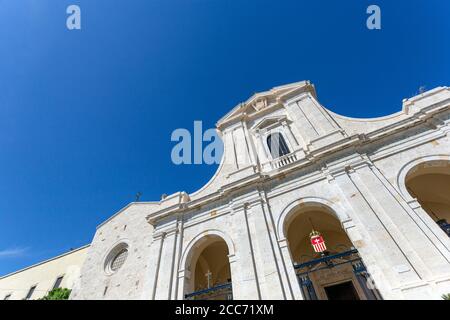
x: 208, y: 276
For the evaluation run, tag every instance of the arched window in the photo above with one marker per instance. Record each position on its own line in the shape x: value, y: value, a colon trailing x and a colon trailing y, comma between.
x: 277, y: 145
x: 116, y: 258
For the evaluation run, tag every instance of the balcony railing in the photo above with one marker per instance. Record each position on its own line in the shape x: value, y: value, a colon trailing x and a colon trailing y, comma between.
x: 219, y: 292
x: 280, y: 161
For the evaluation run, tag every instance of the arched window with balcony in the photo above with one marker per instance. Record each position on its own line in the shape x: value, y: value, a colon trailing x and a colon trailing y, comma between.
x: 277, y: 145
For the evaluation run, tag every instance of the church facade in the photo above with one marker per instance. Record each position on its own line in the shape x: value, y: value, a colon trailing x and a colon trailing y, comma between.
x: 305, y: 204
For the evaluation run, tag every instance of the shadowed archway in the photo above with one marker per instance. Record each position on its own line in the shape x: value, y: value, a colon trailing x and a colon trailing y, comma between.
x: 332, y: 271
x: 429, y: 183
x: 208, y: 273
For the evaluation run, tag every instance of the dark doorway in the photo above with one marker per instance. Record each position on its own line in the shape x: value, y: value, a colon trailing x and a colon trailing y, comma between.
x: 342, y: 291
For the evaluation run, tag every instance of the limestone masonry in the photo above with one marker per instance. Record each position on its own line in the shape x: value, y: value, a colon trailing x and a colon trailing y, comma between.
x: 376, y: 191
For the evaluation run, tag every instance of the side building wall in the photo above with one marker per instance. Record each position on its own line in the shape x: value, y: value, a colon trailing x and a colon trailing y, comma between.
x: 15, y: 286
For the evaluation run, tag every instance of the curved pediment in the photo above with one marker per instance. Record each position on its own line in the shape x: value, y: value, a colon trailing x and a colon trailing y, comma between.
x: 268, y: 122
x: 264, y: 100
x: 310, y: 127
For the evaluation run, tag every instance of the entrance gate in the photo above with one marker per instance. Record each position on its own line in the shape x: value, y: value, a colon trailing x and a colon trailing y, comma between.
x: 351, y: 257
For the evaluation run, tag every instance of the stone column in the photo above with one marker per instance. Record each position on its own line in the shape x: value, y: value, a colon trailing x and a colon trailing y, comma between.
x: 235, y: 269
x: 251, y: 146
x: 287, y: 129
x: 370, y: 234
x: 182, y: 275
x: 314, y: 123
x: 165, y: 276
x: 288, y: 265
x: 151, y: 278
x: 262, y: 150
x: 241, y: 147
x: 269, y: 270
x: 281, y: 253
x: 438, y: 237
x: 301, y: 121
x: 243, y: 269
x: 177, y: 257
x: 406, y: 229
x: 230, y: 160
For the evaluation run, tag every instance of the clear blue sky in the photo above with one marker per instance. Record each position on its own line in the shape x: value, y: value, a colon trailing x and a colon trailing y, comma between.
x: 86, y: 116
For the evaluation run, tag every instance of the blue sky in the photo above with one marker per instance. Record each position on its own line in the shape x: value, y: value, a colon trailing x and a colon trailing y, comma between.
x: 86, y: 115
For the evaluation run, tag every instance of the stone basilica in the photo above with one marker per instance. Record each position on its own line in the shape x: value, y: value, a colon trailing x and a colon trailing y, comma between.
x: 305, y: 204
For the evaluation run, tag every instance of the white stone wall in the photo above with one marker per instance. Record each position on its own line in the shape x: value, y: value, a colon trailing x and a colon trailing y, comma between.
x: 128, y: 226
x: 353, y: 167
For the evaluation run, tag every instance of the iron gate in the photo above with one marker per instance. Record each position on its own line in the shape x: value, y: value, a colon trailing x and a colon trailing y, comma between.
x: 219, y: 292
x: 303, y: 270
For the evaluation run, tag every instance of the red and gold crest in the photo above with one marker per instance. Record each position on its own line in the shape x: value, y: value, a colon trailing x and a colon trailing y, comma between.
x: 317, y: 242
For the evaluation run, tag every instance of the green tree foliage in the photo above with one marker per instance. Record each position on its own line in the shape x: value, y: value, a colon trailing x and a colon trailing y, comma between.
x: 58, y: 294
x: 446, y: 296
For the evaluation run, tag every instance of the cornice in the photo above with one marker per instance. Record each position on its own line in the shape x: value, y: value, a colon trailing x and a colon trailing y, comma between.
x: 425, y: 115
x: 277, y: 96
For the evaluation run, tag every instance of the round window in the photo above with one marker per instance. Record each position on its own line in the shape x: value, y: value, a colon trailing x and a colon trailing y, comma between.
x: 119, y: 260
x: 116, y: 258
